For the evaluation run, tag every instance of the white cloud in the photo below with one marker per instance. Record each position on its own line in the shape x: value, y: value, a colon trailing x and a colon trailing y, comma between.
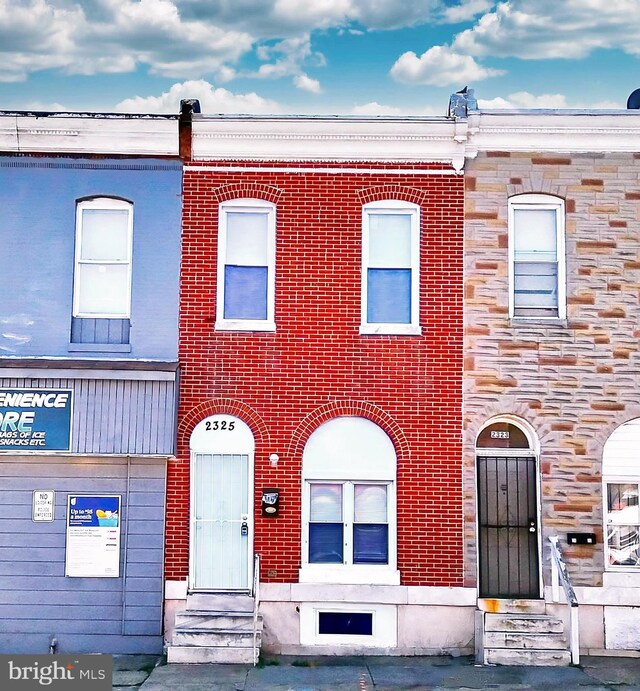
x: 109, y: 36
x: 286, y: 57
x: 375, y: 108
x: 178, y: 38
x: 542, y: 29
x: 306, y: 83
x: 440, y: 66
x: 188, y: 39
x: 212, y: 100
x: 526, y: 100
x: 525, y: 29
x: 466, y: 10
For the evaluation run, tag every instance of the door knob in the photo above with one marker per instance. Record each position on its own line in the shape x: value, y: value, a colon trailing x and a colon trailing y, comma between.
x: 532, y: 527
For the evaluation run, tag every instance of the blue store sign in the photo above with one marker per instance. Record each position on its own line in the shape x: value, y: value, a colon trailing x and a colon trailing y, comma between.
x: 35, y: 419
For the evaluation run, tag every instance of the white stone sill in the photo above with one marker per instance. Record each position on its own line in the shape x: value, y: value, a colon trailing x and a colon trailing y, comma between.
x: 381, y: 594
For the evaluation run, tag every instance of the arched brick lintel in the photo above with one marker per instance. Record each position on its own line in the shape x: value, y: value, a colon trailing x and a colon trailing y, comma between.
x: 336, y: 409
x: 248, y: 190
x: 399, y: 192
x: 222, y: 406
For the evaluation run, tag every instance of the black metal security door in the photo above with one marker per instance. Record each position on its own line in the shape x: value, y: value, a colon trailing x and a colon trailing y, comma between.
x: 508, y: 527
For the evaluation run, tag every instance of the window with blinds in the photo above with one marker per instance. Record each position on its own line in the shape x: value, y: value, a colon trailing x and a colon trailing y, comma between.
x: 537, y: 261
x: 246, y: 266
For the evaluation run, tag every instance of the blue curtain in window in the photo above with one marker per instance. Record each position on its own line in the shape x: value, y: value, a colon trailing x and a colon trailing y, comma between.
x: 325, y: 543
x: 245, y: 292
x: 370, y: 544
x: 389, y: 296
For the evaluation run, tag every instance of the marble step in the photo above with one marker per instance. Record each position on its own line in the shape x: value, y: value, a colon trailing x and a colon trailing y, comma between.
x: 522, y: 623
x: 512, y: 606
x: 215, y: 620
x: 531, y: 657
x: 220, y: 602
x: 536, y: 641
x: 210, y: 654
x: 217, y: 637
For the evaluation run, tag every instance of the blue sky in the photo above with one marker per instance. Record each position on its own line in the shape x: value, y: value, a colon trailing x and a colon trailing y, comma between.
x: 399, y: 57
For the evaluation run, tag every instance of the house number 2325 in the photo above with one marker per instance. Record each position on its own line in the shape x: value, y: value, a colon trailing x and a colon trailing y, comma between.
x: 219, y: 425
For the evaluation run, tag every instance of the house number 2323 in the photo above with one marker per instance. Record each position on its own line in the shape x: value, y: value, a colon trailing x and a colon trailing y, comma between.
x: 219, y: 425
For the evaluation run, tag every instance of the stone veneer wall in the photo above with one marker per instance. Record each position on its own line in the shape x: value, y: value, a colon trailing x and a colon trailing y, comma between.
x: 574, y: 381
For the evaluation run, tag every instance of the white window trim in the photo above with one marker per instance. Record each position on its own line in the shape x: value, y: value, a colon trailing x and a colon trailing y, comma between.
x: 392, y: 206
x: 248, y: 206
x: 384, y: 624
x: 539, y: 201
x: 615, y: 480
x: 349, y: 573
x: 102, y: 203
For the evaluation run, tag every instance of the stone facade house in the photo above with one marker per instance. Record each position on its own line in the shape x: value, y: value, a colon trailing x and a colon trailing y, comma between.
x: 552, y: 363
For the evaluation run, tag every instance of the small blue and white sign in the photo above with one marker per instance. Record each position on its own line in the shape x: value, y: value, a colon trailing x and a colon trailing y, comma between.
x: 35, y: 419
x: 93, y: 536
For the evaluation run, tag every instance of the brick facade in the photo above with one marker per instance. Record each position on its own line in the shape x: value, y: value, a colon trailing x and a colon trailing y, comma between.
x: 316, y: 366
x: 574, y: 381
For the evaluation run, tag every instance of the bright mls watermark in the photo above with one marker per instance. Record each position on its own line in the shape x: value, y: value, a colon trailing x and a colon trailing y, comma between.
x: 56, y: 672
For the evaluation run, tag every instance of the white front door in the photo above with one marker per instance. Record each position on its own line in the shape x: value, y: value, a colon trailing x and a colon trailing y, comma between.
x: 221, y: 516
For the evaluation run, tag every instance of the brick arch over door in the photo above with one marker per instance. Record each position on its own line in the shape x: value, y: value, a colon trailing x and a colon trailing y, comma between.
x: 223, y: 406
x: 247, y: 190
x: 336, y: 409
x: 398, y: 192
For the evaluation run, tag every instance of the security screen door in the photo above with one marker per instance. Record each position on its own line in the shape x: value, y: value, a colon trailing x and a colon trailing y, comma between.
x: 221, y: 529
x: 508, y: 527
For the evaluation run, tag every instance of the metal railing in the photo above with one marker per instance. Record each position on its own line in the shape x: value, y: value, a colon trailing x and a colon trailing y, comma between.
x: 256, y: 604
x: 560, y: 576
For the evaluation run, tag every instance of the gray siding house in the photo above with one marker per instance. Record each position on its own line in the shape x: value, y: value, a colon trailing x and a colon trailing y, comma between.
x: 89, y: 272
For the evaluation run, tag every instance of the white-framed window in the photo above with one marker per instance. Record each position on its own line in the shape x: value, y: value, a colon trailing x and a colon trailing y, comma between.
x: 537, y: 265
x: 348, y: 523
x: 622, y: 524
x: 349, y: 504
x: 246, y: 265
x: 621, y: 493
x: 102, y: 275
x: 390, y: 268
x: 347, y: 624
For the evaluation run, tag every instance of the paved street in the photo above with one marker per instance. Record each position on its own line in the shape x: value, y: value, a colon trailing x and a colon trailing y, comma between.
x: 373, y: 674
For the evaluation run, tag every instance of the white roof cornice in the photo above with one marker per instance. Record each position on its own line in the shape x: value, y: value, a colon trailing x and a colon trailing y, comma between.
x: 86, y: 133
x: 554, y: 131
x: 330, y: 139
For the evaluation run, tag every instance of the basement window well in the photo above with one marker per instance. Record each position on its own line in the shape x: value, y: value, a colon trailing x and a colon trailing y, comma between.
x: 349, y: 623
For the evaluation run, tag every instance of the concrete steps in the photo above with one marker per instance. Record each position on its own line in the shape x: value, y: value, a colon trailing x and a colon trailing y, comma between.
x: 520, y: 633
x: 215, y: 628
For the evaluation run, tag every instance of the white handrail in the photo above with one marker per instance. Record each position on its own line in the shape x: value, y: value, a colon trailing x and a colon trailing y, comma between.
x: 256, y: 604
x: 560, y: 575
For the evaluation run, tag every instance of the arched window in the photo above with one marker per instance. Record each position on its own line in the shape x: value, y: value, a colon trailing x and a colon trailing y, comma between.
x: 349, y: 504
x: 621, y: 480
x: 537, y: 272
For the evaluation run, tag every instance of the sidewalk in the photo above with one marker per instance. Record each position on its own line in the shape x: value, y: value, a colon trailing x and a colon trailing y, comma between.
x: 379, y: 674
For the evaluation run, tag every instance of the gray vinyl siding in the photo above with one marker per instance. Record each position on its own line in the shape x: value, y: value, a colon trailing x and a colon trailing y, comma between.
x: 116, y: 416
x: 37, y: 601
